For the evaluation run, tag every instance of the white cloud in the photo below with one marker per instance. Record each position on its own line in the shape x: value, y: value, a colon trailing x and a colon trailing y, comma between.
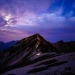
x: 50, y: 20
x: 27, y: 19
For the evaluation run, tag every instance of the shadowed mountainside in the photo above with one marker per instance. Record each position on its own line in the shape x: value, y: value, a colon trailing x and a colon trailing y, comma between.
x: 6, y: 45
x: 65, y: 47
x: 33, y: 55
x: 25, y: 52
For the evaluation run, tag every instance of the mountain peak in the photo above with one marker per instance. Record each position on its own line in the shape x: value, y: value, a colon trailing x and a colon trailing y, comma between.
x: 34, y: 37
x: 35, y: 42
x: 28, y: 49
x: 38, y: 37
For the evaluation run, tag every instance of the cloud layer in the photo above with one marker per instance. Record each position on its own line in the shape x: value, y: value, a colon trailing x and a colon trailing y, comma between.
x: 50, y: 18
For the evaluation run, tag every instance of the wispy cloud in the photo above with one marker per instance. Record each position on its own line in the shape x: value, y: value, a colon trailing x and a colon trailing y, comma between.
x: 26, y: 17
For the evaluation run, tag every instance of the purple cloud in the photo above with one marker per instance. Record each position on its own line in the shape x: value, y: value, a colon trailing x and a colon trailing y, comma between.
x: 26, y: 17
x: 2, y: 22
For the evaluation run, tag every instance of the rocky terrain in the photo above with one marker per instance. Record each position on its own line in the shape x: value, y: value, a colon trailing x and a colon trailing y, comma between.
x: 35, y: 56
x: 65, y: 47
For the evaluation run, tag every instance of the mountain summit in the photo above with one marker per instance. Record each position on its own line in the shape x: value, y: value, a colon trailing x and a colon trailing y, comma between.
x: 26, y: 51
x: 34, y: 55
x: 35, y: 42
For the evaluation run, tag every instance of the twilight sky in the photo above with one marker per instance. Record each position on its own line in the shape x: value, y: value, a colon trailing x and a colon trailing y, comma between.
x: 53, y: 19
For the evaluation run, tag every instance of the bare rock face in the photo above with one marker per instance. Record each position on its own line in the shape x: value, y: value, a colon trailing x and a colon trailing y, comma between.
x: 27, y: 51
x: 36, y: 56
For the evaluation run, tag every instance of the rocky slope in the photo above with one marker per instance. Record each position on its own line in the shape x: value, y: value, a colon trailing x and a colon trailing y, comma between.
x: 36, y: 56
x: 26, y: 51
x: 59, y: 65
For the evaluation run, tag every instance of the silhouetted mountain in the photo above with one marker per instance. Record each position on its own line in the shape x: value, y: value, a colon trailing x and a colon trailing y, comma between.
x: 65, y: 47
x: 6, y: 45
x: 2, y: 45
x: 33, y: 55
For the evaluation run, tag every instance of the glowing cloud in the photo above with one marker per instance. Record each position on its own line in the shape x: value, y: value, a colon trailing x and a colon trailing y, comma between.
x: 7, y: 17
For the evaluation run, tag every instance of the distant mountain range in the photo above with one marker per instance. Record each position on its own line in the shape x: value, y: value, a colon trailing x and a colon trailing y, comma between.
x: 35, y: 56
x: 61, y: 46
x: 6, y: 45
x: 65, y: 47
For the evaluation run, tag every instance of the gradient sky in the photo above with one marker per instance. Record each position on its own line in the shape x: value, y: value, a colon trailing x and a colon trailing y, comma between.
x: 53, y: 19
